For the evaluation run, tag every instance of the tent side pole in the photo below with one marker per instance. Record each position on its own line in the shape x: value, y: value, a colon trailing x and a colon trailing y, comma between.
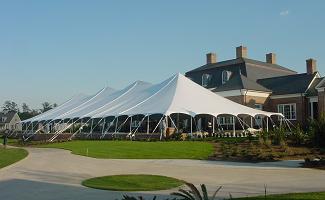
x: 191, y: 126
x: 148, y: 125
x: 212, y: 124
x: 131, y: 124
x: 234, y: 126
x: 267, y: 124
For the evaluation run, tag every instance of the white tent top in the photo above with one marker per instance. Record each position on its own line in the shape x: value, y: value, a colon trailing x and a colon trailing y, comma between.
x: 177, y: 94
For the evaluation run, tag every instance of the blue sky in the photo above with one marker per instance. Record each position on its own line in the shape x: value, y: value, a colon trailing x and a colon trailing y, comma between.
x: 52, y: 50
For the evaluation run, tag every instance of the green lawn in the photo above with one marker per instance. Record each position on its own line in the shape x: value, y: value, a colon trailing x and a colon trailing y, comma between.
x: 293, y: 196
x: 137, y: 150
x: 9, y: 156
x: 133, y: 183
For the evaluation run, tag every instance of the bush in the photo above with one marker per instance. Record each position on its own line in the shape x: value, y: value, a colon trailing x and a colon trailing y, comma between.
x: 317, y: 131
x: 298, y: 136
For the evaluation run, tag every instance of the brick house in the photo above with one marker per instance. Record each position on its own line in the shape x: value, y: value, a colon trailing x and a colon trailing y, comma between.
x: 265, y: 85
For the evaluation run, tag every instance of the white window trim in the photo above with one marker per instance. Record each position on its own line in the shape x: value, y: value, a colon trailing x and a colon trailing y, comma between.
x: 289, y: 104
x: 228, y: 74
x: 208, y: 76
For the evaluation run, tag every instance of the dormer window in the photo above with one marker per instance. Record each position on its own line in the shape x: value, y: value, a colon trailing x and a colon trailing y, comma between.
x: 206, y: 79
x: 225, y: 76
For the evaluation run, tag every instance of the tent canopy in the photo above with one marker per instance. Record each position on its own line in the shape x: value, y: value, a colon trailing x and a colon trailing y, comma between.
x: 177, y: 94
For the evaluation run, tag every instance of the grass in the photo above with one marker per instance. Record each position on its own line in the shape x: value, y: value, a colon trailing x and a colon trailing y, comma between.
x: 9, y: 156
x: 137, y: 149
x: 293, y: 196
x: 133, y: 183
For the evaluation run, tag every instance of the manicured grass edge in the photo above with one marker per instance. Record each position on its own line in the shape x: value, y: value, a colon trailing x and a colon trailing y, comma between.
x: 177, y: 183
x: 24, y: 156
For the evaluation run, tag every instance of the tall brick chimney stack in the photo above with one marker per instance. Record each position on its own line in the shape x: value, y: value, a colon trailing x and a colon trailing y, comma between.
x: 211, y: 58
x: 271, y: 58
x: 311, y: 66
x: 241, y: 52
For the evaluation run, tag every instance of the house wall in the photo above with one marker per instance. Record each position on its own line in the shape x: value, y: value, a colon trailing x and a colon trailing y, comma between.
x: 301, y: 107
x: 13, y: 123
x: 237, y: 99
x: 252, y: 100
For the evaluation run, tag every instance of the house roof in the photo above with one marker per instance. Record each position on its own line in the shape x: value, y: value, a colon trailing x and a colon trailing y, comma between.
x: 312, y: 91
x: 239, y: 61
x: 290, y: 84
x: 8, y: 116
x: 321, y: 83
x: 240, y: 82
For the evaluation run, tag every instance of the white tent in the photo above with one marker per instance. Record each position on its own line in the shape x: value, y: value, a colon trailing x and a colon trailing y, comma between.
x: 177, y: 94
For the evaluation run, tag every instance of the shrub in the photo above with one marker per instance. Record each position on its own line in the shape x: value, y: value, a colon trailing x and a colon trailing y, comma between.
x: 317, y: 131
x: 298, y: 136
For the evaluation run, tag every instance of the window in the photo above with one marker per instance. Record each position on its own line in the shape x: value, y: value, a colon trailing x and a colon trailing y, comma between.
x: 288, y: 110
x: 4, y: 119
x: 225, y: 120
x: 206, y: 79
x: 258, y: 106
x: 225, y: 76
x: 258, y: 119
x: 135, y: 124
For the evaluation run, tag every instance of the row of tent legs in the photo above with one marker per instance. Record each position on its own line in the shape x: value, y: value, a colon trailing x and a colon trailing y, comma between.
x: 157, y: 123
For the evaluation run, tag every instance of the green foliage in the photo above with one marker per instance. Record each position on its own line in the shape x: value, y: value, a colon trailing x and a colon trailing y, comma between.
x: 317, y: 131
x: 293, y: 196
x: 298, y: 136
x: 194, y: 194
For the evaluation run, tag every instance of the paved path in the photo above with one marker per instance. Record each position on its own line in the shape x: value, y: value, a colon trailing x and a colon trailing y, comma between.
x: 48, y: 174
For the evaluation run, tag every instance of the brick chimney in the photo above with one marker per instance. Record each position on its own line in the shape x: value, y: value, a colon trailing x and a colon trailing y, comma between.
x: 241, y: 52
x: 271, y: 58
x: 211, y: 58
x: 311, y: 66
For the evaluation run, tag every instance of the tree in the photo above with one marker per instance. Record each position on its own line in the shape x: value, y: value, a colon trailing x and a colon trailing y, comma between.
x: 25, y: 108
x: 46, y: 106
x: 10, y: 106
x: 55, y: 105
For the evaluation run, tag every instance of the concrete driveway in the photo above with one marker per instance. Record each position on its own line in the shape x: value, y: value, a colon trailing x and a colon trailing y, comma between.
x: 48, y: 174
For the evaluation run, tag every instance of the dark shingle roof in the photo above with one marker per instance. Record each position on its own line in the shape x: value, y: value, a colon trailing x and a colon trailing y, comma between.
x: 291, y: 84
x: 240, y: 81
x: 8, y: 116
x: 239, y: 61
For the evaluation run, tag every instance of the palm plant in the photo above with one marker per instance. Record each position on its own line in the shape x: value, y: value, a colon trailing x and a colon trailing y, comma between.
x: 194, y: 193
x: 126, y: 197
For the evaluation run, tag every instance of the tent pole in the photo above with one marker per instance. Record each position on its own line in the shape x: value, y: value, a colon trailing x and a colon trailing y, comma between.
x: 158, y: 124
x: 267, y: 124
x: 212, y: 124
x: 131, y: 124
x: 233, y: 126
x: 251, y: 122
x: 103, y: 127
x: 148, y: 125
x: 191, y: 126
x: 116, y: 125
x: 91, y: 126
x: 173, y: 123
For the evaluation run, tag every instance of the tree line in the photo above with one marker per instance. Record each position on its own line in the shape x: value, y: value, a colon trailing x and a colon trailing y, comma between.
x: 26, y: 112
